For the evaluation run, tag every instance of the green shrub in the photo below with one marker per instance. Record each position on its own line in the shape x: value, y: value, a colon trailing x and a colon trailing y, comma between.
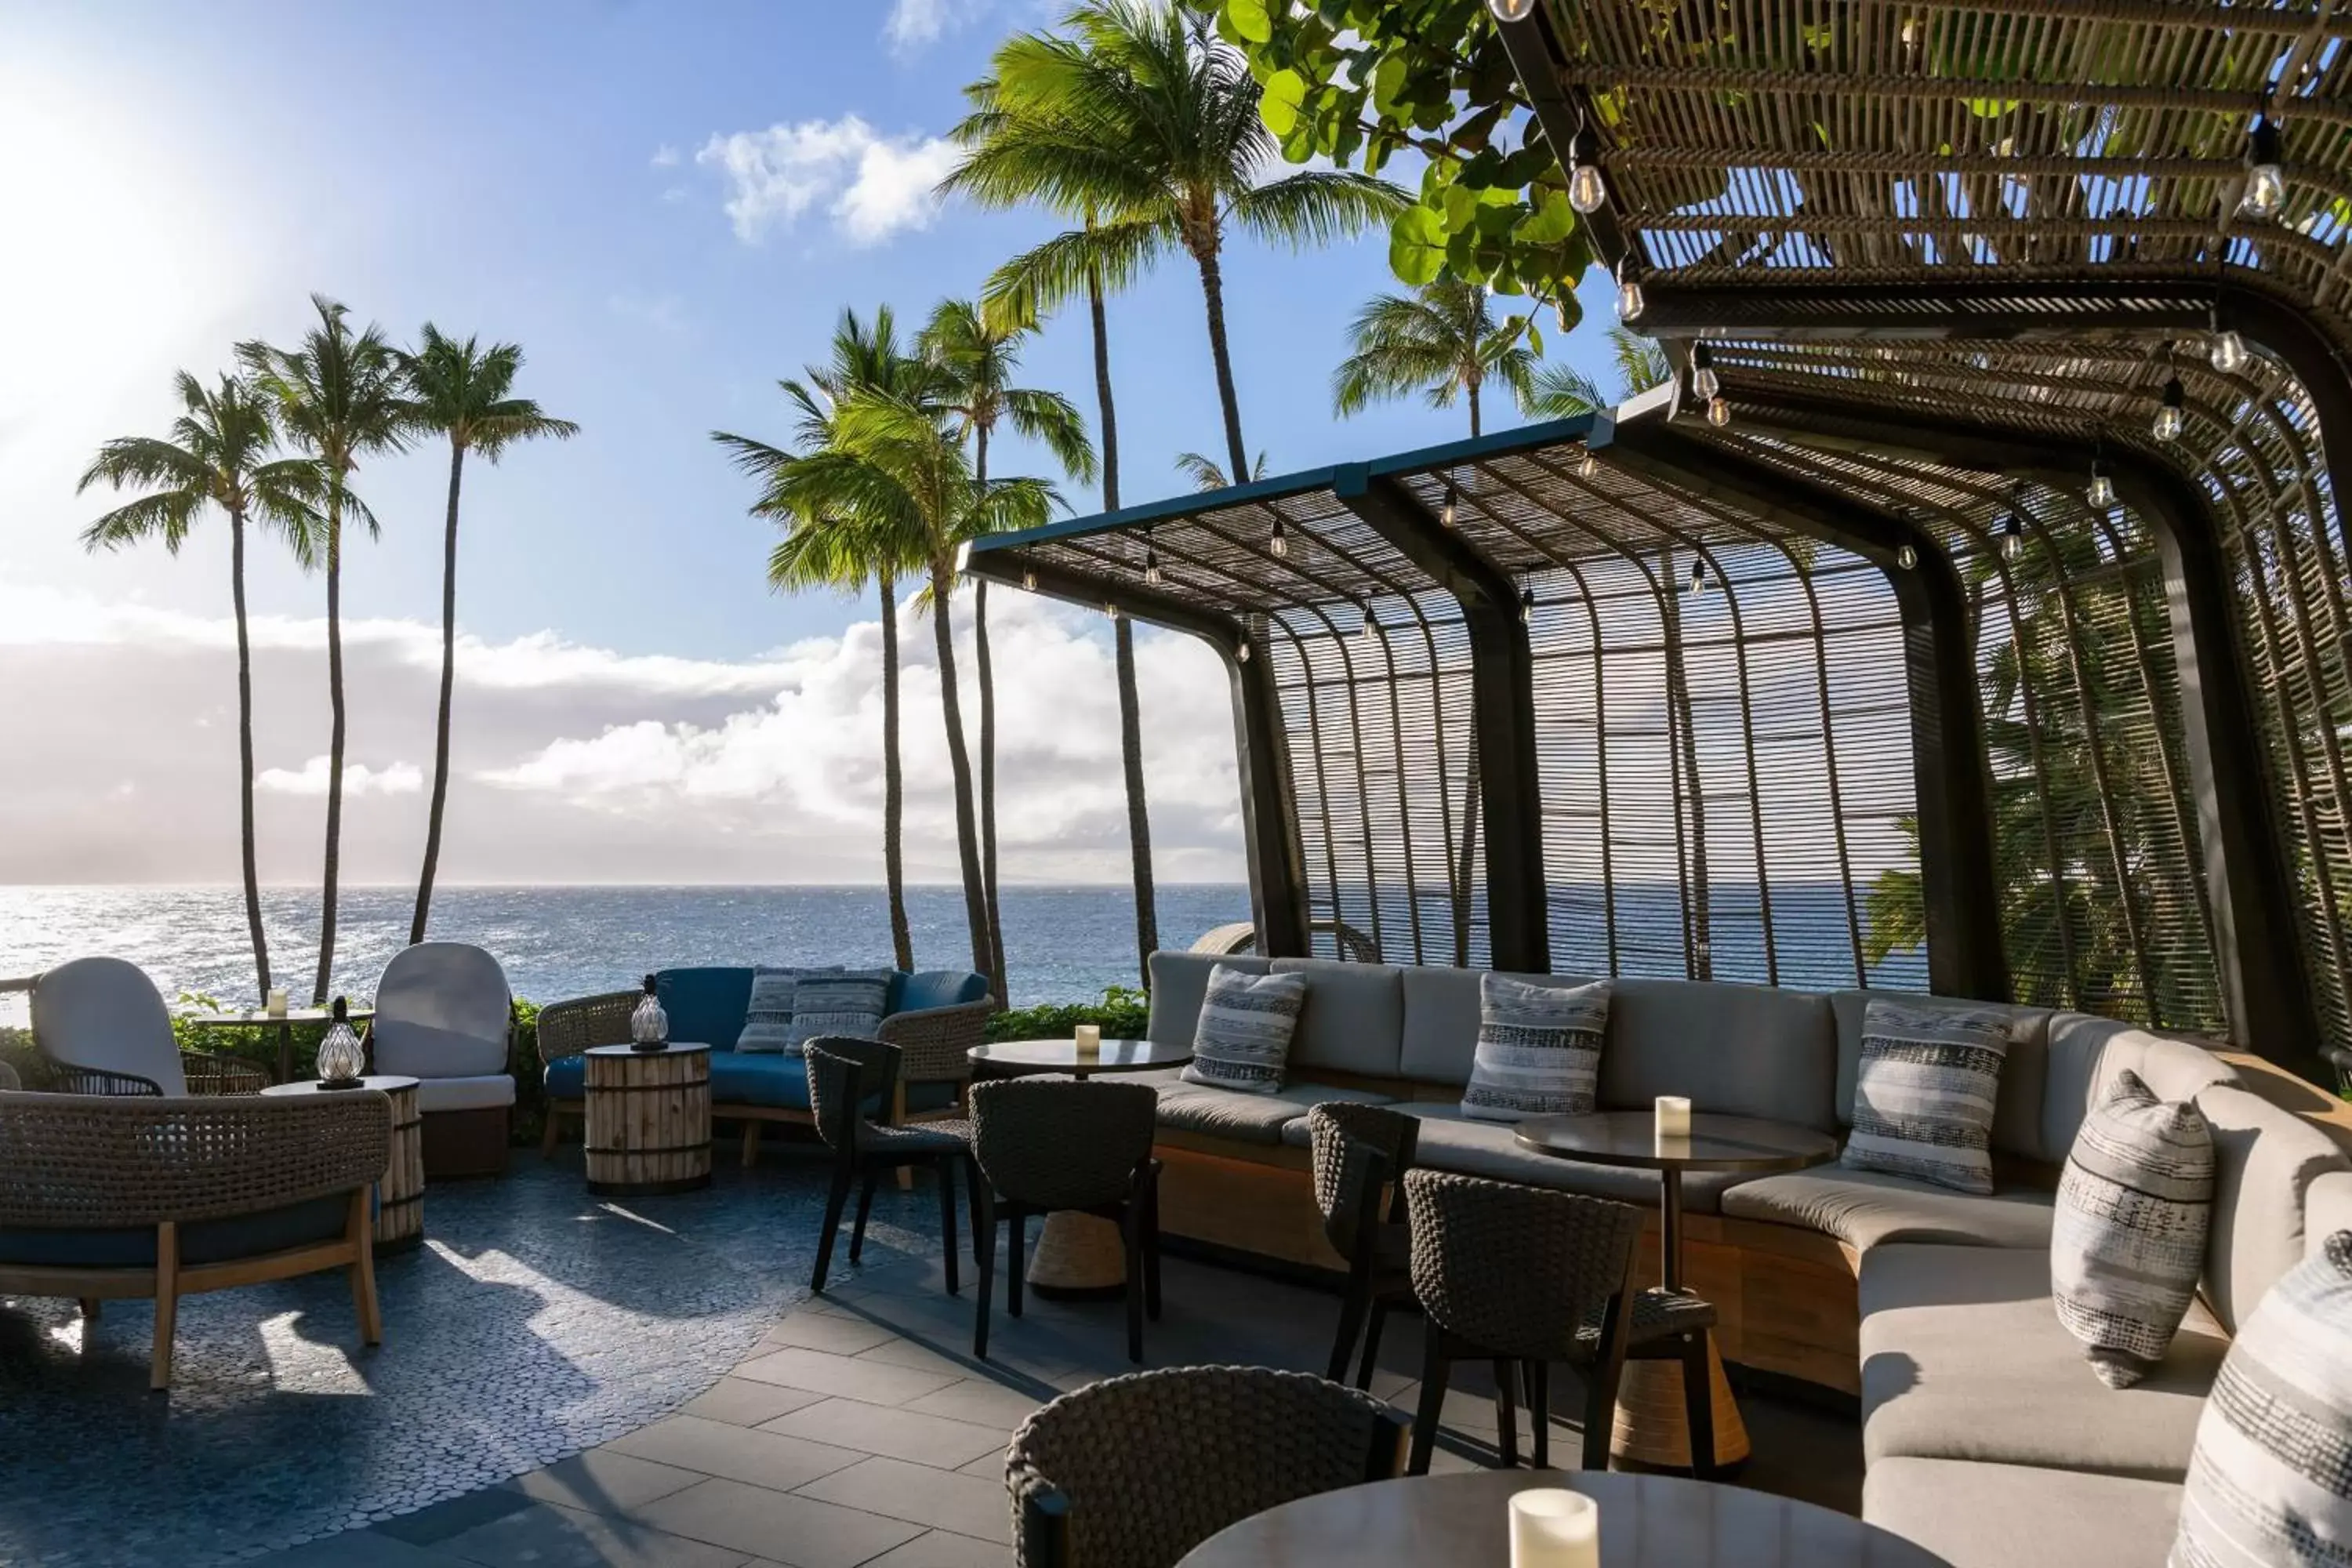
x: 1122, y: 1013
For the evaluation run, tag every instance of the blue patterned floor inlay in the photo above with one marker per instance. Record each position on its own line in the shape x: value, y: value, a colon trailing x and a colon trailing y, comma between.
x: 535, y: 1321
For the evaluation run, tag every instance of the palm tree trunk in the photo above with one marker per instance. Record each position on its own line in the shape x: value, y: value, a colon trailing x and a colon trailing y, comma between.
x: 1130, y: 719
x: 894, y: 789
x: 245, y: 750
x: 334, y: 746
x: 1466, y: 855
x: 975, y: 893
x: 1213, y: 289
x: 1686, y: 750
x: 448, y: 683
x: 1002, y: 986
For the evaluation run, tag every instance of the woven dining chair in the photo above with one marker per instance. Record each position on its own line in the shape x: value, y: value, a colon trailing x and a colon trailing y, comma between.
x: 1359, y: 1152
x: 1520, y: 1277
x: 1046, y: 1146
x: 1136, y: 1471
x: 844, y: 1075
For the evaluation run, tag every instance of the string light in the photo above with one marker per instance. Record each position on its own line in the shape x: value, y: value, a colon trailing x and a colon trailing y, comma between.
x: 1151, y: 572
x: 1241, y: 654
x: 1371, y: 628
x: 2265, y: 192
x: 1630, y: 302
x: 2168, y: 417
x: 1280, y: 541
x: 1511, y: 10
x: 2102, y: 491
x: 1588, y: 464
x: 1029, y: 581
x: 1718, y: 412
x: 1445, y: 513
x: 1111, y: 611
x: 2228, y: 353
x: 1698, y: 577
x: 1526, y: 606
x: 1588, y: 188
x: 1906, y: 557
x: 1705, y: 382
x: 2012, y: 537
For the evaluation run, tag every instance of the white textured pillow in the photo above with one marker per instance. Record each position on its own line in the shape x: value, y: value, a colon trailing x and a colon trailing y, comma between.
x: 848, y: 1003
x: 1539, y: 1049
x: 1243, y: 1040
x: 1923, y: 1101
x: 768, y: 1022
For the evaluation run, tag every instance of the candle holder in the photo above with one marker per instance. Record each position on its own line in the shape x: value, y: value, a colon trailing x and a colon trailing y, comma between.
x: 274, y: 1005
x: 1088, y: 1038
x: 1674, y: 1116
x: 1552, y: 1527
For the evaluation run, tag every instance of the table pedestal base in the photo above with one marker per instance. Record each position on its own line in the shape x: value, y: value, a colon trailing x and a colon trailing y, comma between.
x: 1650, y: 1428
x: 1078, y: 1256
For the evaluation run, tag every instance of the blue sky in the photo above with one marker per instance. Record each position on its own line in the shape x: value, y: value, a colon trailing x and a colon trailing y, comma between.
x: 556, y: 174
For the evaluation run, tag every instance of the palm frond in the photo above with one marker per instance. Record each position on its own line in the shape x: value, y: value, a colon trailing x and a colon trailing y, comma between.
x: 1562, y: 392
x: 1316, y: 206
x: 1040, y: 280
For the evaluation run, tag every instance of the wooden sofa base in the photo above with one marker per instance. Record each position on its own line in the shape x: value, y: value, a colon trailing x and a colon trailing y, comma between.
x: 1786, y: 1299
x: 459, y: 1143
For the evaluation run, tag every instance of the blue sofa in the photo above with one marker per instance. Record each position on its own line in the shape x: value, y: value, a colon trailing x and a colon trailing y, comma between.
x: 934, y: 1017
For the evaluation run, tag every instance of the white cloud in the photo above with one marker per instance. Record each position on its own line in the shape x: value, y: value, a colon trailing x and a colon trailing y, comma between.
x: 915, y: 22
x: 872, y: 187
x: 359, y: 779
x: 664, y: 156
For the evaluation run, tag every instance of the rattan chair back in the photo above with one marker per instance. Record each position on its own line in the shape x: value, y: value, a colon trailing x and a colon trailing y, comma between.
x: 1135, y: 1471
x: 443, y: 1010
x: 844, y: 1075
x: 1516, y: 1269
x: 1356, y: 1150
x: 104, y: 1013
x: 1048, y: 1143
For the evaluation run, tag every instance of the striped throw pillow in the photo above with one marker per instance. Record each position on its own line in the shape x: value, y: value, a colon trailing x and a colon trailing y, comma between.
x: 1242, y: 1039
x: 768, y: 1024
x: 1923, y: 1101
x: 1539, y: 1049
x: 850, y: 1004
x: 2129, y: 1239
x: 2270, y: 1481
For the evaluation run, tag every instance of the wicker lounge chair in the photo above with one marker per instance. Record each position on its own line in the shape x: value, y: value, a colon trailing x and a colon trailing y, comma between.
x: 107, y: 1197
x: 103, y: 1027
x: 1136, y: 1471
x: 1358, y: 1152
x: 843, y: 1076
x: 445, y: 1016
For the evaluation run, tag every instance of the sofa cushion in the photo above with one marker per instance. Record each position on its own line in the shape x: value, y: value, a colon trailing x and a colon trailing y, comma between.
x: 1745, y: 1051
x: 706, y: 1006
x: 567, y: 1078
x: 2017, y: 1109
x: 1354, y: 1018
x: 2127, y: 1241
x: 1249, y: 1118
x: 928, y: 988
x: 1296, y: 1133
x: 204, y: 1241
x: 1963, y: 1358
x: 1538, y: 1048
x: 488, y: 1092
x: 847, y: 1003
x: 1999, y: 1516
x: 1440, y: 1023
x: 756, y: 1077
x: 2086, y: 1053
x: 1924, y: 1099
x: 1178, y: 982
x: 2326, y: 1208
x: 768, y: 1014
x: 1868, y: 1209
x: 1247, y: 1024
x: 2264, y: 1161
x: 1450, y: 1142
x: 2271, y: 1480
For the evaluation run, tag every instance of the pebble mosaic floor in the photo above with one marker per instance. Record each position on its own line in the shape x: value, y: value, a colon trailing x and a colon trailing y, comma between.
x: 536, y: 1321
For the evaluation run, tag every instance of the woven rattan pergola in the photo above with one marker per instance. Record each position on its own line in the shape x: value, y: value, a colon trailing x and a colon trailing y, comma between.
x: 1939, y: 715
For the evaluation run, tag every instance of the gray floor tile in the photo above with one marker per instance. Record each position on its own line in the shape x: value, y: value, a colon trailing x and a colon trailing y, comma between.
x: 842, y: 1336
x: 965, y: 1504
x: 875, y: 1381
x: 931, y: 1440
x: 358, y: 1549
x: 604, y: 1481
x: 741, y: 1454
x: 546, y: 1536
x: 982, y: 1403
x: 742, y: 1403
x: 798, y: 1531
x: 990, y: 1465
x: 950, y: 1356
x: 945, y: 1549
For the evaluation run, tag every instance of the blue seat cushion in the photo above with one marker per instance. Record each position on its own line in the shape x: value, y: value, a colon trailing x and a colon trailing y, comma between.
x: 933, y: 1095
x: 746, y: 1077
x: 936, y: 988
x: 567, y: 1078
x: 706, y: 1006
x: 206, y: 1241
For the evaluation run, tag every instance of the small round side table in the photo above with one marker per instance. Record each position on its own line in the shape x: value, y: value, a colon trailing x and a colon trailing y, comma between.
x: 400, y: 1196
x: 647, y: 1119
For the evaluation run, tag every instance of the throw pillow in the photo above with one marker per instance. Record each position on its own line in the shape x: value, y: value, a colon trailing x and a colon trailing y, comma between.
x: 1244, y: 1037
x: 1923, y: 1102
x: 1539, y: 1049
x: 850, y: 1002
x: 2270, y: 1481
x: 2128, y: 1242
x: 768, y: 1021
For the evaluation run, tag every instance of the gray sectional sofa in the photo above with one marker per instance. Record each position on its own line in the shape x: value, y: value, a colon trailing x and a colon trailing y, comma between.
x: 1988, y: 1438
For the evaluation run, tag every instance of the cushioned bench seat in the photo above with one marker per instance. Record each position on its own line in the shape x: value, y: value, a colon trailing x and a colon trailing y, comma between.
x: 1267, y: 1119
x: 1866, y: 1208
x: 201, y: 1241
x: 1963, y: 1358
x: 746, y: 1077
x: 2000, y: 1516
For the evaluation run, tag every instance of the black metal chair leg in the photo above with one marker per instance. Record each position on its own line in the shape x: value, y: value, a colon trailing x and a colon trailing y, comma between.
x: 865, y: 1206
x: 944, y: 1172
x: 1353, y: 1308
x: 1506, y: 1413
x: 983, y: 1236
x: 1152, y: 1245
x: 1436, y: 1367
x: 1371, y: 1356
x: 835, y: 1200
x: 971, y: 1202
x: 1539, y: 1411
x: 1016, y: 1262
x: 1699, y: 1406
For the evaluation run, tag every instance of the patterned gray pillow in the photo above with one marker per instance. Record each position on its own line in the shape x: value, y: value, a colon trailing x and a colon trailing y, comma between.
x: 1923, y: 1101
x: 848, y: 1003
x: 768, y: 1025
x: 1242, y: 1039
x: 1539, y: 1049
x: 2128, y: 1242
x: 2270, y: 1481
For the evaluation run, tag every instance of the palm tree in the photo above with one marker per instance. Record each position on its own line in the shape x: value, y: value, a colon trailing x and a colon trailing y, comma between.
x: 833, y: 546
x: 219, y: 455
x: 1444, y: 342
x: 339, y: 397
x: 897, y: 465
x: 1206, y: 475
x: 977, y: 358
x: 1140, y: 120
x: 462, y: 391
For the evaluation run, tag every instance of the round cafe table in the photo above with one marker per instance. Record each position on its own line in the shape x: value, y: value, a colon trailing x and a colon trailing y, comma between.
x: 261, y: 1018
x: 1463, y: 1522
x: 1077, y: 1254
x: 1650, y: 1426
x: 400, y: 1195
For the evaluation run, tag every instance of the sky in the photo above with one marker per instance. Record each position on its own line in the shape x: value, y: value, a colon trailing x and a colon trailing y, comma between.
x: 667, y: 207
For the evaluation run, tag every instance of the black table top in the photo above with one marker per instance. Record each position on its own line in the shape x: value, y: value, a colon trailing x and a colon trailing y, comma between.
x: 1716, y: 1142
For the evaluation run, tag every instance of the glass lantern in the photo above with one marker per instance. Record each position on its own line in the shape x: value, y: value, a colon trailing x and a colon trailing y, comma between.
x: 649, y: 1025
x: 341, y: 1058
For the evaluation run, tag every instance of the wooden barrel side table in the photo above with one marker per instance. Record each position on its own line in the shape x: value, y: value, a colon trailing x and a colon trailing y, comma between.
x: 648, y: 1119
x: 400, y: 1196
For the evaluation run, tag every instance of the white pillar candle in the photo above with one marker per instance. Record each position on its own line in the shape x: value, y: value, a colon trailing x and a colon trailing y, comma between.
x: 1552, y: 1527
x: 276, y: 1004
x: 1674, y: 1116
x: 1090, y: 1038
